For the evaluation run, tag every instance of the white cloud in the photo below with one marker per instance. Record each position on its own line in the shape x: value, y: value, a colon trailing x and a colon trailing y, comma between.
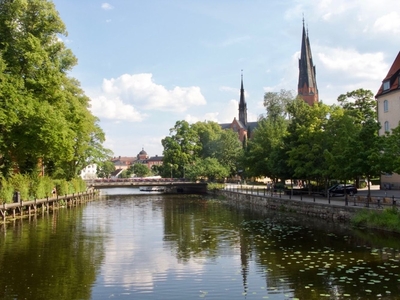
x: 388, y: 23
x: 226, y: 113
x: 351, y: 63
x: 114, y: 108
x: 107, y: 6
x: 140, y: 90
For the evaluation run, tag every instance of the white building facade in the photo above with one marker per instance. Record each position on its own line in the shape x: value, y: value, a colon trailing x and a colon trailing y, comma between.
x: 388, y: 108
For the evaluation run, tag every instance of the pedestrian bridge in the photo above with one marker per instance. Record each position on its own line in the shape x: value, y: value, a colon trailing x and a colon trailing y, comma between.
x: 166, y: 185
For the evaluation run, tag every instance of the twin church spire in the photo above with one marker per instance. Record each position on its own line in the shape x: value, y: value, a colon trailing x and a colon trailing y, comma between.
x: 307, y: 85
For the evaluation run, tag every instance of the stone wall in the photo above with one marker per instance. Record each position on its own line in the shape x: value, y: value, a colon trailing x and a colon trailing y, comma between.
x: 324, y: 211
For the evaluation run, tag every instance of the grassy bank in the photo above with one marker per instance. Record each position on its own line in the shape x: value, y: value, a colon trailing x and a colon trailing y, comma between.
x: 387, y: 219
x: 37, y: 187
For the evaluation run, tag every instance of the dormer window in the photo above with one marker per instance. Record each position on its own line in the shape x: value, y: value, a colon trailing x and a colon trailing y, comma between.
x: 386, y: 85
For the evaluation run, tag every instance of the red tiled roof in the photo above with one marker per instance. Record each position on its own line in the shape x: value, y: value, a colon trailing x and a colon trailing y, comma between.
x: 393, y: 72
x: 123, y: 159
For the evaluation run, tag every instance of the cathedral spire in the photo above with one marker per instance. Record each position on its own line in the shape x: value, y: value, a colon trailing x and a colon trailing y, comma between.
x: 242, y: 105
x: 307, y: 87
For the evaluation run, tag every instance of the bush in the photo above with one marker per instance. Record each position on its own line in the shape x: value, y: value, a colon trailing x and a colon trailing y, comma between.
x: 41, y: 187
x: 388, y: 219
x: 215, y: 186
x: 77, y: 185
x: 6, y: 191
x: 62, y: 186
x: 21, y: 183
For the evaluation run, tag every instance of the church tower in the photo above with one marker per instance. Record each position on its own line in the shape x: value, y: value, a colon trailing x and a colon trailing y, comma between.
x: 307, y: 88
x: 242, y: 106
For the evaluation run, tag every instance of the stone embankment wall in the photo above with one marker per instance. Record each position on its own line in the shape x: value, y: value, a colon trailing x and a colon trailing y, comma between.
x: 324, y: 211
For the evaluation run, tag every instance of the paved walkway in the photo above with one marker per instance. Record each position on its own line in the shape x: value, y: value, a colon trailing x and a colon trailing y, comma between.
x: 376, y: 194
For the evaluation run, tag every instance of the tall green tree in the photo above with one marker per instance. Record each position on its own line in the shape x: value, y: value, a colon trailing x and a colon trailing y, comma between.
x: 180, y: 149
x: 45, y: 122
x: 214, y: 142
x: 208, y: 168
x: 188, y: 144
x: 305, y: 141
x: 266, y: 155
x: 140, y: 170
x: 365, y: 152
x: 105, y: 168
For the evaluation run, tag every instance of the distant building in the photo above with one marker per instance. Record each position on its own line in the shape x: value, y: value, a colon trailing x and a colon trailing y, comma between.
x: 116, y: 173
x: 123, y: 162
x: 388, y: 109
x: 155, y: 161
x: 307, y: 86
x: 89, y: 172
x: 143, y: 158
x: 241, y: 125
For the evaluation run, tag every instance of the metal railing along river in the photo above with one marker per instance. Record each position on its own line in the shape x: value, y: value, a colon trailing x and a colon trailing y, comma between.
x: 377, y: 199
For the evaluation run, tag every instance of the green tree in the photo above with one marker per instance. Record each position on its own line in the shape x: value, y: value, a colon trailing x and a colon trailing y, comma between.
x: 214, y: 142
x: 189, y: 143
x: 391, y: 154
x: 263, y: 157
x: 342, y: 134
x: 276, y: 104
x: 365, y: 152
x: 265, y: 154
x: 141, y: 170
x: 208, y: 168
x: 105, y: 168
x: 180, y: 149
x: 306, y: 140
x: 45, y: 122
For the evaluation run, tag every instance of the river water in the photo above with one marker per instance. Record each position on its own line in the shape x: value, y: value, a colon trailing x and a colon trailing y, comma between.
x: 133, y: 245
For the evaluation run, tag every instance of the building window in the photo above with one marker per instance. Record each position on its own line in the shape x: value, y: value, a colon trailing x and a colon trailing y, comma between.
x: 387, y: 126
x: 386, y: 85
x: 385, y: 106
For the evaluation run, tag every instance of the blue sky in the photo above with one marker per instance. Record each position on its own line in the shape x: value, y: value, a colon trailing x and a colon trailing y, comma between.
x: 147, y: 64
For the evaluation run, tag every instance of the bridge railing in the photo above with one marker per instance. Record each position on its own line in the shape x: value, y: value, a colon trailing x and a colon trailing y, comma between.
x: 135, y: 180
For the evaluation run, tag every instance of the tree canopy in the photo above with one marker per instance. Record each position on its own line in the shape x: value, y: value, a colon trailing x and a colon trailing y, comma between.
x: 45, y: 121
x: 200, y: 150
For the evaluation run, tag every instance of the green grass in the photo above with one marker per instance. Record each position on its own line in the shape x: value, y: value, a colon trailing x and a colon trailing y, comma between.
x: 388, y: 219
x: 215, y: 186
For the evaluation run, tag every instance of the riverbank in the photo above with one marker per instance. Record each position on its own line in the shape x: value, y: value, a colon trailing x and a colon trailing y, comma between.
x: 21, y: 209
x: 334, y: 210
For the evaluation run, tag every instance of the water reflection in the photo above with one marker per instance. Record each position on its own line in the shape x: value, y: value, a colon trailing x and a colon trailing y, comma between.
x: 54, y: 257
x: 182, y: 247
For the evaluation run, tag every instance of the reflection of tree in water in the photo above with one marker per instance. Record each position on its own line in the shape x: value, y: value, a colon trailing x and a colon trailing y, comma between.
x: 195, y: 227
x: 306, y: 256
x: 62, y: 261
x: 327, y: 258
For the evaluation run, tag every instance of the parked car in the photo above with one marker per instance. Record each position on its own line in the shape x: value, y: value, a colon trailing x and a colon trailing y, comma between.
x: 340, y: 188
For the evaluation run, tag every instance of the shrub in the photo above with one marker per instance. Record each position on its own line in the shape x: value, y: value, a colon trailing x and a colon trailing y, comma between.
x: 388, y: 219
x: 62, y: 186
x: 41, y: 187
x: 21, y: 183
x: 215, y: 186
x: 6, y: 191
x: 77, y: 185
